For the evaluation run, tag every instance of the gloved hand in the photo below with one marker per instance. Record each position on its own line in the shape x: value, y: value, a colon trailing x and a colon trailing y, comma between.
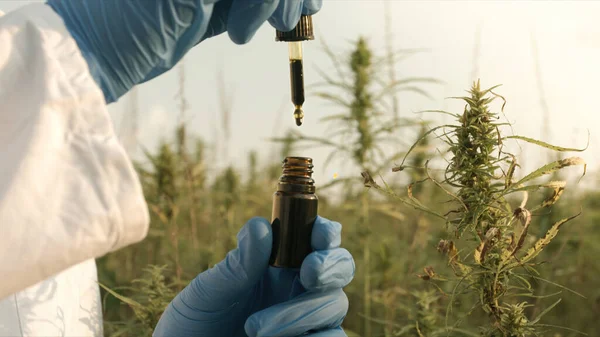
x: 243, y: 296
x: 127, y: 42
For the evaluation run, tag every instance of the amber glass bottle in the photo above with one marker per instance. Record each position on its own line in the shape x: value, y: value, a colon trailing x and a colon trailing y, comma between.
x: 294, y: 212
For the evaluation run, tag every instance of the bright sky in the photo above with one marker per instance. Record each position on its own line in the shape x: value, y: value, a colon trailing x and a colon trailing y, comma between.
x: 256, y: 75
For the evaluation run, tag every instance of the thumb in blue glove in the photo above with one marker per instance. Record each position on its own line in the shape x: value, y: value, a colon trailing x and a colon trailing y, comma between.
x: 243, y: 296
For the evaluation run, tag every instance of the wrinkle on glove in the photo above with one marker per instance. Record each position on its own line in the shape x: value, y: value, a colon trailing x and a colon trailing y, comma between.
x: 243, y: 296
x: 327, y: 269
x: 125, y: 41
x: 308, y: 311
x: 128, y: 42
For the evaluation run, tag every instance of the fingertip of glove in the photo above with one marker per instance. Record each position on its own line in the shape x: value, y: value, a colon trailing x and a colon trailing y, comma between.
x: 239, y: 38
x: 305, y: 312
x: 257, y: 220
x: 335, y: 332
x: 257, y: 233
x: 326, y: 270
x: 345, y: 303
x: 284, y: 26
x: 246, y: 17
x: 312, y: 7
x: 251, y: 327
x: 326, y: 234
x: 286, y: 15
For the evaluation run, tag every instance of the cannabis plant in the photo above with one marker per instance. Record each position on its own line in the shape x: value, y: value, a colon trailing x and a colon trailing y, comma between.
x: 149, y: 297
x: 488, y: 221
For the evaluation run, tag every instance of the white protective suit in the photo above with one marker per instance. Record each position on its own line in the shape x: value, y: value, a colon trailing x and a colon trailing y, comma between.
x: 68, y: 191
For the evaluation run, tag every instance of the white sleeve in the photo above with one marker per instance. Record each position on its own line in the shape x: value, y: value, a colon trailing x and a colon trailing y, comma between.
x: 68, y: 191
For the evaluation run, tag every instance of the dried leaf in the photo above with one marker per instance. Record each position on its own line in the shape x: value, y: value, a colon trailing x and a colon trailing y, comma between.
x: 491, y: 233
x: 424, y: 277
x: 162, y: 216
x: 429, y: 273
x: 545, y: 240
x: 510, y: 173
x: 368, y: 180
x: 478, y: 255
x: 524, y: 215
x: 412, y: 198
x: 556, y: 184
x: 444, y: 246
x: 525, y: 198
x: 558, y: 191
x: 510, y: 242
x: 485, y: 245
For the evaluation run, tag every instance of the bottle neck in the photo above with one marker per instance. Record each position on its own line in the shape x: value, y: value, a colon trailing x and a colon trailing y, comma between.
x: 297, y: 175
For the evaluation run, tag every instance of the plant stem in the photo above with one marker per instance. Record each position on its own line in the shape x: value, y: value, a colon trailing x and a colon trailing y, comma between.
x: 367, y: 263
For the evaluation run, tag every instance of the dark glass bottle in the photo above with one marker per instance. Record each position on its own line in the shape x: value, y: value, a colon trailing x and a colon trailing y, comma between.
x: 295, y: 208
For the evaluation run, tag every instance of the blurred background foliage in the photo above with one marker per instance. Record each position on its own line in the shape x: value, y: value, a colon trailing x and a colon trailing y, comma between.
x: 197, y: 208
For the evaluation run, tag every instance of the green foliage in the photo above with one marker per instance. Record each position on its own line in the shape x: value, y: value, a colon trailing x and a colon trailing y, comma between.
x: 492, y: 226
x: 149, y: 297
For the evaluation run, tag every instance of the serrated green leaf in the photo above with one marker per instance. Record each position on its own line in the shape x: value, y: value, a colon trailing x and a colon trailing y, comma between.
x: 126, y: 300
x: 423, y: 136
x: 549, y: 146
x: 455, y: 115
x: 553, y: 167
x: 547, y: 310
x: 333, y: 99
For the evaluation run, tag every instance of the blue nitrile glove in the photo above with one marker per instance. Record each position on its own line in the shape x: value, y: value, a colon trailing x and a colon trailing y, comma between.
x: 127, y: 42
x: 243, y: 296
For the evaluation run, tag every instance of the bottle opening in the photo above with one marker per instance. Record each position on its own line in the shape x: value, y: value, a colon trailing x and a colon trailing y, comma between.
x: 297, y: 175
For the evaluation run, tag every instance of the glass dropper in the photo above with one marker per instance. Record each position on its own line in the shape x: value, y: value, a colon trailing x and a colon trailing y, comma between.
x: 302, y: 32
